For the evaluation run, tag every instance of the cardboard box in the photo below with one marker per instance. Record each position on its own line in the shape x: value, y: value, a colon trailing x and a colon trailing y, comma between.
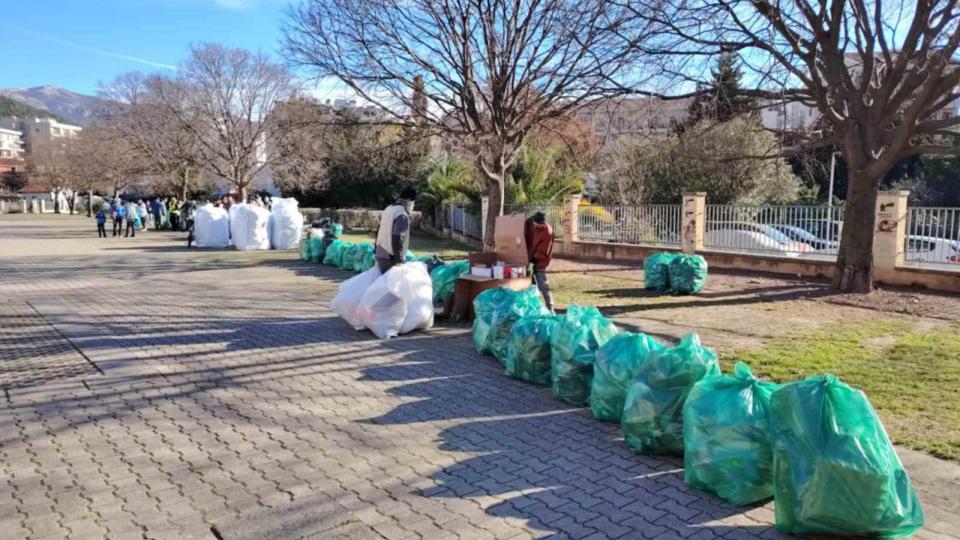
x: 481, y: 271
x: 508, y: 240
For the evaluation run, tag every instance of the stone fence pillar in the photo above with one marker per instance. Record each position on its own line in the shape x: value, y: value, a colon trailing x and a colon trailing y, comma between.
x: 571, y: 219
x: 693, y: 218
x: 890, y: 233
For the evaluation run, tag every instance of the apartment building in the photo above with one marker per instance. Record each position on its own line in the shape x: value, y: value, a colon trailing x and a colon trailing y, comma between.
x: 614, y: 119
x: 11, y: 146
x: 40, y: 136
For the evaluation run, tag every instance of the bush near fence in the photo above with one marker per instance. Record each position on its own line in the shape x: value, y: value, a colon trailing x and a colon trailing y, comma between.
x: 354, y: 219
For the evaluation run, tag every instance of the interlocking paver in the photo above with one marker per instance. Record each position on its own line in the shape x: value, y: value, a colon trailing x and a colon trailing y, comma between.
x: 154, y: 391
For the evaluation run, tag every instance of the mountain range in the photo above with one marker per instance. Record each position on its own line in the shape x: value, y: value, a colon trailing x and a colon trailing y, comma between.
x: 59, y: 102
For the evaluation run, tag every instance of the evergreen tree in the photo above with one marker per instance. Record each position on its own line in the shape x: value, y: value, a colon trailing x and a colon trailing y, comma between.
x: 723, y: 99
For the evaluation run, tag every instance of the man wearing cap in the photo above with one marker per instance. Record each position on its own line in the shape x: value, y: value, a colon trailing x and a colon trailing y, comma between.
x: 539, y: 237
x: 393, y: 236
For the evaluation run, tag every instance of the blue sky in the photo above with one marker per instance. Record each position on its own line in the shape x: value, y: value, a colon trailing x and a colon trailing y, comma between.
x: 78, y: 44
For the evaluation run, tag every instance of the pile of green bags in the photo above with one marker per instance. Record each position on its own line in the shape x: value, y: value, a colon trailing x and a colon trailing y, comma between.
x: 656, y: 271
x: 653, y: 413
x: 349, y: 256
x: 316, y: 248
x: 574, y: 344
x: 334, y: 253
x: 834, y: 468
x: 688, y: 274
x: 528, y: 350
x: 336, y: 230
x: 496, y: 310
x: 445, y: 278
x: 726, y: 437
x: 369, y: 260
x: 618, y: 362
x: 361, y: 251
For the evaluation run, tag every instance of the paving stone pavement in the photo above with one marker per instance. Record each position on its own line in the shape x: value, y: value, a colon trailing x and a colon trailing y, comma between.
x: 156, y: 392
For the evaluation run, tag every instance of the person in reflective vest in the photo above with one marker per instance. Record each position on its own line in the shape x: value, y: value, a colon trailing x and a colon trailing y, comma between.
x: 393, y: 236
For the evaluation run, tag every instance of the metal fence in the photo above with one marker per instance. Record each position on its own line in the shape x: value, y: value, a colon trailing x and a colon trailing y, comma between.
x: 553, y: 213
x: 788, y: 231
x: 462, y: 221
x: 649, y: 224
x: 933, y: 237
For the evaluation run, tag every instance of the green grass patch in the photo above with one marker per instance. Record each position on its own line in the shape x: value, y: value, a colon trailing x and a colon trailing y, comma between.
x: 912, y: 377
x: 422, y: 243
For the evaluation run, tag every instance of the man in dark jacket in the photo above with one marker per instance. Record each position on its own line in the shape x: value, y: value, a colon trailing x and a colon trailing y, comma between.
x: 539, y: 237
x: 393, y: 236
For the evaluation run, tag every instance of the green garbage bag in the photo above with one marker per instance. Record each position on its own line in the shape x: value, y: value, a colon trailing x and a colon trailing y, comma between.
x: 334, y: 253
x: 528, y: 349
x: 445, y: 276
x: 336, y: 230
x: 316, y: 249
x: 496, y: 310
x: 726, y: 437
x: 369, y: 260
x: 653, y: 413
x: 656, y: 271
x: 348, y: 256
x: 305, y: 254
x: 834, y: 468
x: 618, y: 362
x: 409, y: 256
x: 359, y: 256
x: 573, y: 351
x: 688, y: 274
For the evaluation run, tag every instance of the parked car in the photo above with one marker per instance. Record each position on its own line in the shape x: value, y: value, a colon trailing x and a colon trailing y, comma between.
x: 827, y: 229
x: 746, y: 241
x: 807, y: 237
x: 932, y: 249
x: 785, y: 242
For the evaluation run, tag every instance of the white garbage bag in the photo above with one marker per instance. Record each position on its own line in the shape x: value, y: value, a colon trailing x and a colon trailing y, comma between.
x: 212, y: 227
x: 348, y: 297
x: 400, y: 301
x: 249, y: 227
x: 286, y: 224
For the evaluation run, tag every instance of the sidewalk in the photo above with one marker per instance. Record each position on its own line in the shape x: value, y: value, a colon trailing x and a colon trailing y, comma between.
x: 155, y: 391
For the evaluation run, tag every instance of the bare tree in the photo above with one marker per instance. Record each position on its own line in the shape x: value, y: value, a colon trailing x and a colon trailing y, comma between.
x: 103, y: 159
x: 304, y: 129
x: 879, y: 73
x: 486, y: 72
x: 221, y: 98
x: 138, y: 114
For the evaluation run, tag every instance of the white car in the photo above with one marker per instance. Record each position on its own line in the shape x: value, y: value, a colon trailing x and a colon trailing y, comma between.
x: 746, y: 241
x: 933, y: 250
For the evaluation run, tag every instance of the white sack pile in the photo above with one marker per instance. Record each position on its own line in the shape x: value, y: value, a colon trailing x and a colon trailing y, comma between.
x: 286, y: 224
x: 249, y: 227
x: 212, y: 227
x: 395, y: 303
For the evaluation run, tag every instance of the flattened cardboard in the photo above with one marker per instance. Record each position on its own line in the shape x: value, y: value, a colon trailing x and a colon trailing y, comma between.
x: 508, y: 240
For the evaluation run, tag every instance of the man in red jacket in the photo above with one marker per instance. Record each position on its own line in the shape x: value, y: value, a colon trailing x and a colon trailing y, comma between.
x: 539, y: 236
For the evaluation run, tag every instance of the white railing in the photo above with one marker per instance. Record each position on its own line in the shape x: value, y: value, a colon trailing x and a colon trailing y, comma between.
x: 649, y: 224
x: 787, y: 231
x: 933, y: 238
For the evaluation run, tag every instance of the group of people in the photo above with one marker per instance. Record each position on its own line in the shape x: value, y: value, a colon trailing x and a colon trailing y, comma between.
x: 129, y: 216
x: 393, y: 241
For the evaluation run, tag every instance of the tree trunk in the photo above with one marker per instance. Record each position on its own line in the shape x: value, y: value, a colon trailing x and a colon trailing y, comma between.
x: 89, y: 203
x: 72, y: 202
x: 242, y: 192
x: 854, y: 269
x: 184, y: 184
x: 495, y: 194
x: 56, y: 201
